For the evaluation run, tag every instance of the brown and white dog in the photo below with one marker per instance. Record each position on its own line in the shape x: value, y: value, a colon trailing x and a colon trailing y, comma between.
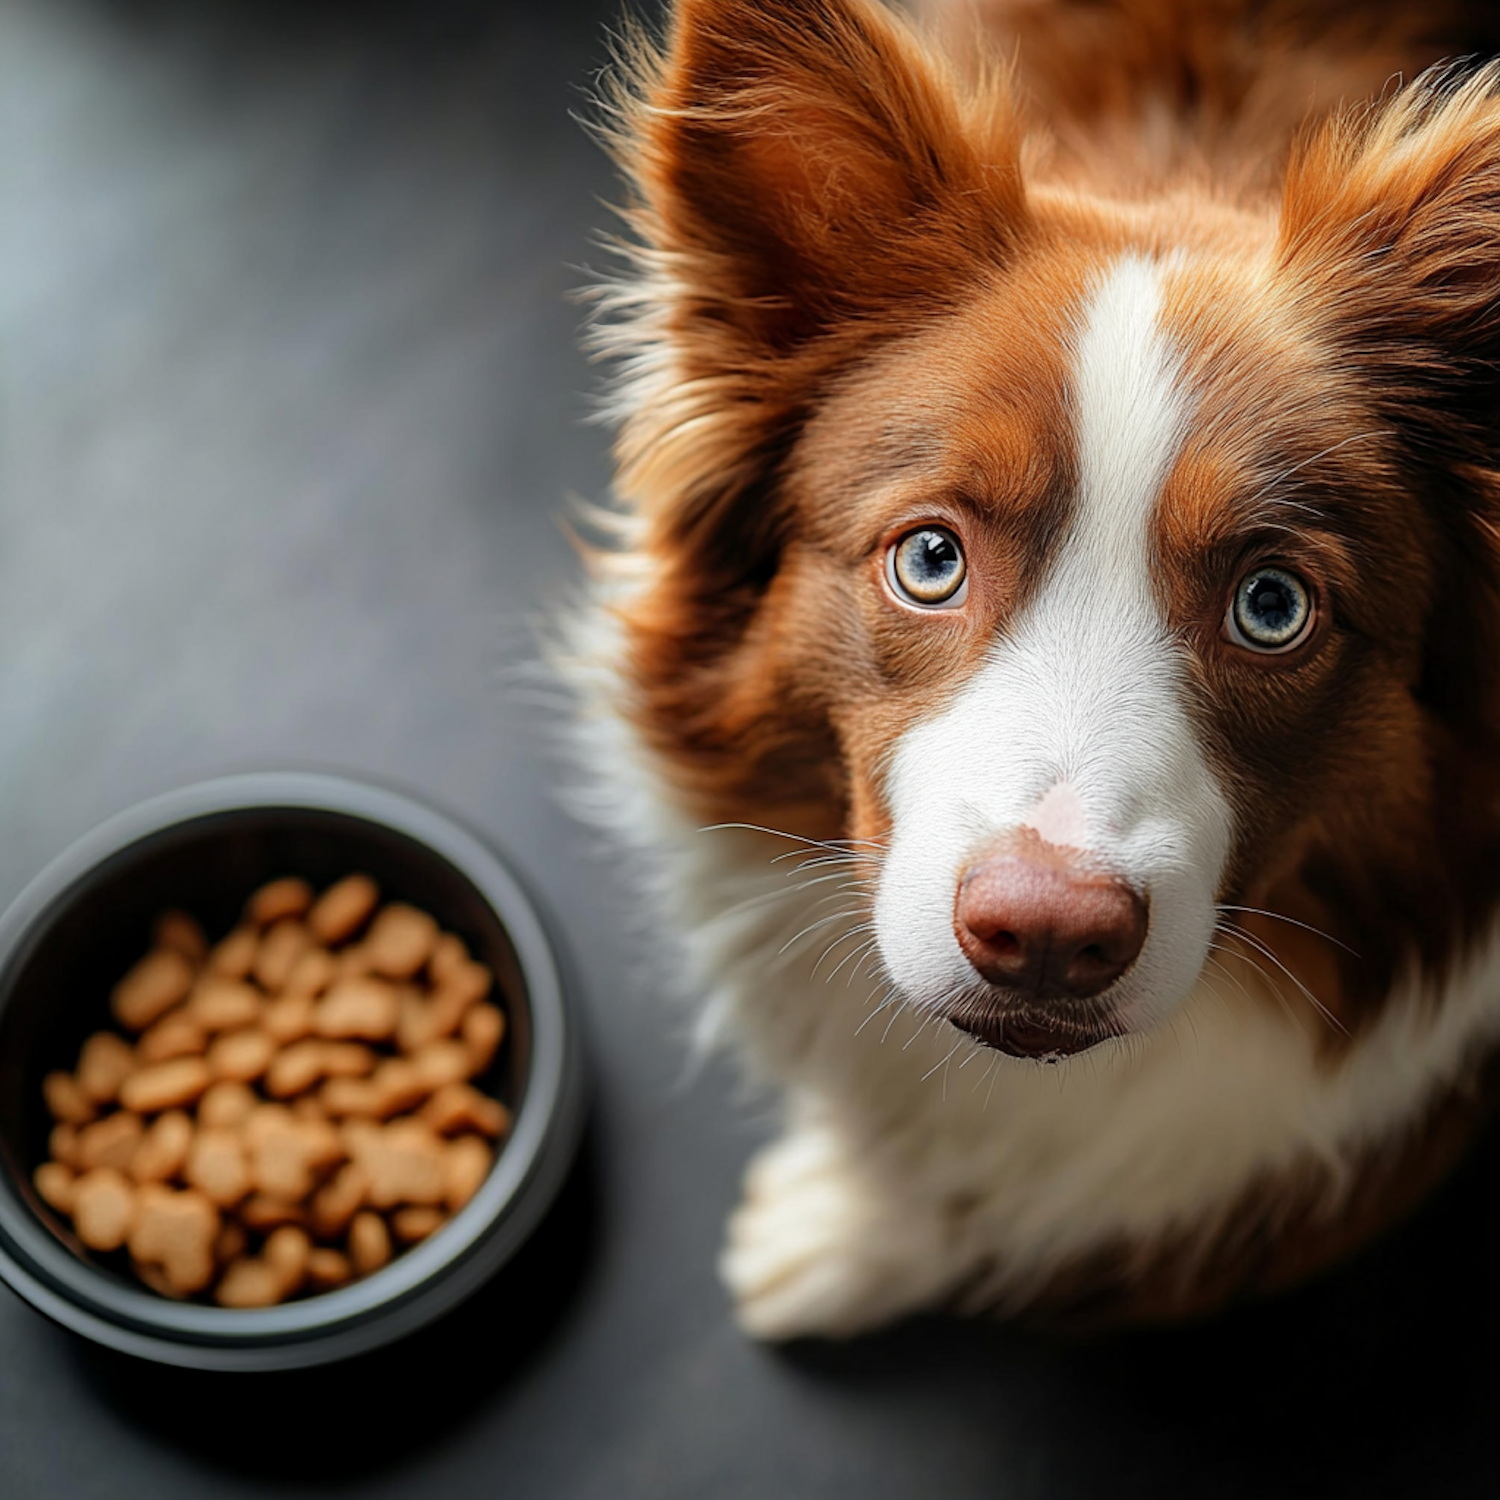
x: 1061, y: 497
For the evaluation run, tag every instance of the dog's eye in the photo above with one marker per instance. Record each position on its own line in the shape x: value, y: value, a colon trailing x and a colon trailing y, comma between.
x: 1272, y: 611
x: 927, y: 567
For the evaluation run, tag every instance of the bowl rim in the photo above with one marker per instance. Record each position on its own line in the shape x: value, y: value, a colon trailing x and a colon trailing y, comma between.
x: 424, y: 1281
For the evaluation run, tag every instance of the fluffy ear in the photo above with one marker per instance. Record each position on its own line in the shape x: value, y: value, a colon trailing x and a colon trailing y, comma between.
x: 806, y: 176
x: 807, y: 161
x: 1391, y: 240
x: 1391, y: 231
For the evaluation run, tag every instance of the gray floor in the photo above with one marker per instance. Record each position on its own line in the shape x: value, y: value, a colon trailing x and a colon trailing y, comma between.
x: 290, y: 403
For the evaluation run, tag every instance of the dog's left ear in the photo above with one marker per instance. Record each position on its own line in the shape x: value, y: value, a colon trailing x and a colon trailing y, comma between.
x: 1390, y: 250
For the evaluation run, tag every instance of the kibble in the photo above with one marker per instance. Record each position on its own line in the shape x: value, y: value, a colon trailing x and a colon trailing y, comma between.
x: 327, y: 1268
x: 286, y: 1252
x: 159, y: 981
x: 360, y: 1006
x: 416, y: 1223
x: 313, y: 972
x: 235, y: 956
x: 249, y: 1283
x: 277, y: 900
x: 335, y: 1204
x: 448, y: 955
x: 103, y: 1208
x: 163, y: 1150
x: 54, y: 1182
x: 63, y: 1144
x: 343, y: 909
x: 404, y: 1161
x: 296, y: 1068
x: 459, y: 1106
x: 175, y: 1232
x: 181, y: 933
x: 483, y: 1030
x: 241, y: 1055
x: 262, y: 1212
x: 226, y: 1105
x: 167, y: 1085
x: 288, y: 1019
x: 288, y: 1107
x: 400, y: 941
x: 67, y: 1100
x: 110, y: 1142
x: 177, y: 1034
x: 443, y: 1062
x: 466, y: 1165
x: 103, y: 1065
x: 219, y: 1004
x: 278, y: 953
x: 217, y: 1166
x: 369, y: 1243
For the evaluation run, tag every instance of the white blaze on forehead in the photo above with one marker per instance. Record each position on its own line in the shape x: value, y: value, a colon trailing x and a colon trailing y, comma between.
x: 1076, y: 719
x: 1130, y: 420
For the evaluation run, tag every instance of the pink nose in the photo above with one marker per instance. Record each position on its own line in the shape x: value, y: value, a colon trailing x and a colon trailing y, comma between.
x: 1047, y: 928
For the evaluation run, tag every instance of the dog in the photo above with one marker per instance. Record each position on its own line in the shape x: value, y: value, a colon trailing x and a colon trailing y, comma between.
x: 1050, y: 656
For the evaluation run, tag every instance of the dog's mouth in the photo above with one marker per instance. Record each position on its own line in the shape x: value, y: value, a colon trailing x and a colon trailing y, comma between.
x: 1021, y: 1028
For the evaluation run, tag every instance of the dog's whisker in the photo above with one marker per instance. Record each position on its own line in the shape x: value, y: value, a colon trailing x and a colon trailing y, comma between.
x: 994, y: 1074
x: 1328, y: 1015
x: 837, y: 846
x: 1225, y: 970
x: 944, y: 1063
x: 853, y: 955
x: 1249, y: 958
x: 780, y: 895
x: 901, y: 1005
x: 1287, y: 1008
x: 1260, y: 911
x: 843, y: 937
x: 885, y: 1001
x: 812, y: 927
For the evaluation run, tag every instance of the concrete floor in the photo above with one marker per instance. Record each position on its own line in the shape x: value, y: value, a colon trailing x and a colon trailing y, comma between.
x: 290, y: 404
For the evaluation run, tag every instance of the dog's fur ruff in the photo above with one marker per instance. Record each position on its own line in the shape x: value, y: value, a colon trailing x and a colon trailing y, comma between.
x: 1146, y: 294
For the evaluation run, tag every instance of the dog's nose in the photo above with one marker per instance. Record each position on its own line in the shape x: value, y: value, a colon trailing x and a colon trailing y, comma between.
x: 1047, y: 930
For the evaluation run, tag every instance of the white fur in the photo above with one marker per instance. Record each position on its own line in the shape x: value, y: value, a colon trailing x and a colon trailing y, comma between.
x: 916, y: 1165
x: 1085, y: 692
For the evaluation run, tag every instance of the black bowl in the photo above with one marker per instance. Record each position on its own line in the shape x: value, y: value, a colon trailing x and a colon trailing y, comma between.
x: 87, y: 917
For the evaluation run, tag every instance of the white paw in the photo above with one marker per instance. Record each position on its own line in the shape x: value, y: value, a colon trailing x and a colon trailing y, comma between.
x: 818, y: 1249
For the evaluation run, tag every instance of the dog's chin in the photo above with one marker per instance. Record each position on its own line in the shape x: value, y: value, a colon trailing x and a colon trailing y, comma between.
x: 1036, y: 1031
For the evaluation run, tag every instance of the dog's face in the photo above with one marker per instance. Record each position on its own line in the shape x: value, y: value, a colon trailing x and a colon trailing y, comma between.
x: 1110, y: 571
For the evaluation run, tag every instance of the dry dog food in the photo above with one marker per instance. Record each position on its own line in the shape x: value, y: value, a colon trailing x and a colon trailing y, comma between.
x: 285, y: 1110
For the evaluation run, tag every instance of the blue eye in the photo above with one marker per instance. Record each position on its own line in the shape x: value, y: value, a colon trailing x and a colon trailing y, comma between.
x: 927, y: 567
x: 1272, y: 610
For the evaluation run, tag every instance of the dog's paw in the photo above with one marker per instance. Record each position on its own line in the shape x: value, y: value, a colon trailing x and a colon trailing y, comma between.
x: 817, y: 1249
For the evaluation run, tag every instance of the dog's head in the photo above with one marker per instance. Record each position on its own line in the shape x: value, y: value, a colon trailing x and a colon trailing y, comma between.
x: 1122, y: 572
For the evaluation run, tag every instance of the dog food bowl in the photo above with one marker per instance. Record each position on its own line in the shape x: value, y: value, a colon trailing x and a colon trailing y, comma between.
x: 87, y: 917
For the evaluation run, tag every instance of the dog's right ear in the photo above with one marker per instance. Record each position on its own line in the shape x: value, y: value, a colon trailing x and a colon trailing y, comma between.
x: 805, y: 163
